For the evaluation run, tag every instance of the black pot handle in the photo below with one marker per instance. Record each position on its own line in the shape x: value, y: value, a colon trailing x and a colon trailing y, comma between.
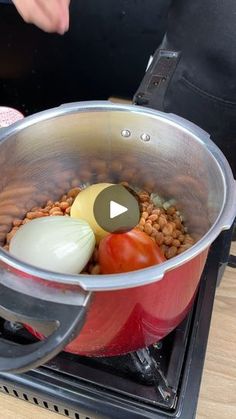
x: 152, y: 90
x: 61, y: 323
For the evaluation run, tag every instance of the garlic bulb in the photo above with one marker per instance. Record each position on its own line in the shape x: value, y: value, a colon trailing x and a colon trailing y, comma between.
x: 59, y: 244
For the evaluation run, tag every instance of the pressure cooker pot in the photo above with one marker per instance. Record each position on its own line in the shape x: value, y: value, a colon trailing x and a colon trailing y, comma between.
x: 106, y: 315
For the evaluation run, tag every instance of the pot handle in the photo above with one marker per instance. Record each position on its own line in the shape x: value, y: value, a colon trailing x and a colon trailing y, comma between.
x: 60, y: 323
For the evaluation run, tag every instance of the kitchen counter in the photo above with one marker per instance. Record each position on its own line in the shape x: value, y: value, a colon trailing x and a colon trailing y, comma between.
x: 217, y: 398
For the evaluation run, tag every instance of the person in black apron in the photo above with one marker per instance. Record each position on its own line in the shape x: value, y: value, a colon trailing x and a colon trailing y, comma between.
x: 203, y: 87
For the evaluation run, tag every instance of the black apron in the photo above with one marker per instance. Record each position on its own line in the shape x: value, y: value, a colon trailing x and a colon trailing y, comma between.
x: 203, y: 87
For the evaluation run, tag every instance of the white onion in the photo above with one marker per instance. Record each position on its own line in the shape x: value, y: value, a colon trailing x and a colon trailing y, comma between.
x: 83, y: 206
x: 59, y: 244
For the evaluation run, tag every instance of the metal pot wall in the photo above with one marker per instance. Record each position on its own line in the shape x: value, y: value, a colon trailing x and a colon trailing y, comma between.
x: 107, y: 315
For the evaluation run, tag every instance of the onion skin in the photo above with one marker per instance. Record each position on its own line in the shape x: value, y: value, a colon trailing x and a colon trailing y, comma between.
x: 58, y: 244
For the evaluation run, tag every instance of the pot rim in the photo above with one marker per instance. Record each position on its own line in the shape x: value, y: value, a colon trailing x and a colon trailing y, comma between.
x: 154, y: 273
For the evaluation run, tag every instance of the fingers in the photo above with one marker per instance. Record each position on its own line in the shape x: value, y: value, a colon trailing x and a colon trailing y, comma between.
x: 48, y: 15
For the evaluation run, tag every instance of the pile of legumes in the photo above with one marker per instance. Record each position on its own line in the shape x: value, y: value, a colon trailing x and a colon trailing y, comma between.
x: 162, y: 223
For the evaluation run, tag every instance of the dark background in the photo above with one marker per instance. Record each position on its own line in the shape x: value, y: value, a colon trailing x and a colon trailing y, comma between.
x: 104, y: 53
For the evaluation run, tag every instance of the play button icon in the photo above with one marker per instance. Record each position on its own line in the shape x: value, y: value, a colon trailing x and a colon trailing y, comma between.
x: 116, y: 210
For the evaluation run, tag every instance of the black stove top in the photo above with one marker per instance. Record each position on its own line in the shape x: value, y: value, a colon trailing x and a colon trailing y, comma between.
x: 161, y: 381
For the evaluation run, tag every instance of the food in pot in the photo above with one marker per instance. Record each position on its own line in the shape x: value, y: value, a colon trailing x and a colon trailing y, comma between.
x: 60, y: 244
x: 128, y: 252
x: 162, y: 222
x: 83, y: 207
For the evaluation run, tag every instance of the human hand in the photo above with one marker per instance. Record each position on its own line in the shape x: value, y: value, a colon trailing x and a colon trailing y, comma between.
x: 48, y: 15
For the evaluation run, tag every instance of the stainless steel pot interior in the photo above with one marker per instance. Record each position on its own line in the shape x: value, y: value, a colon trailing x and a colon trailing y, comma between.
x: 148, y: 148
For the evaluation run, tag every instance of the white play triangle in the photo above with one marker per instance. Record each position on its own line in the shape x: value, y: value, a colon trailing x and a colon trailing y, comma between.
x: 116, y: 209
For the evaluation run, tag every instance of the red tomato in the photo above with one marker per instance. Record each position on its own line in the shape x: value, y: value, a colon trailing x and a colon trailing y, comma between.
x: 128, y: 252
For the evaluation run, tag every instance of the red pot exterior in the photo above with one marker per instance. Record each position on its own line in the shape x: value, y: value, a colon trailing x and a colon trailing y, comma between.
x: 126, y: 320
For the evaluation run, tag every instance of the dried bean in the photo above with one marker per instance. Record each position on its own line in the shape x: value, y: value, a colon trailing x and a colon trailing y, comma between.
x: 63, y: 198
x: 162, y: 221
x: 139, y: 227
x: 183, y: 247
x: 178, y: 233
x: 153, y: 217
x: 95, y: 270
x: 159, y: 238
x: 188, y: 239
x: 150, y: 208
x: 56, y: 213
x: 164, y: 248
x: 174, y: 235
x: 32, y: 215
x: 26, y: 220
x: 148, y: 229
x: 54, y: 209
x: 73, y: 192
x: 145, y: 215
x: 168, y: 240
x: 142, y: 221
x: 171, y: 252
x: 167, y: 229
x: 64, y: 205
x: 17, y: 223
x: 70, y: 200
x: 181, y: 238
x: 176, y: 243
x: 171, y: 210
x: 143, y: 197
x: 178, y: 223
x: 67, y: 211
x: 156, y: 211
